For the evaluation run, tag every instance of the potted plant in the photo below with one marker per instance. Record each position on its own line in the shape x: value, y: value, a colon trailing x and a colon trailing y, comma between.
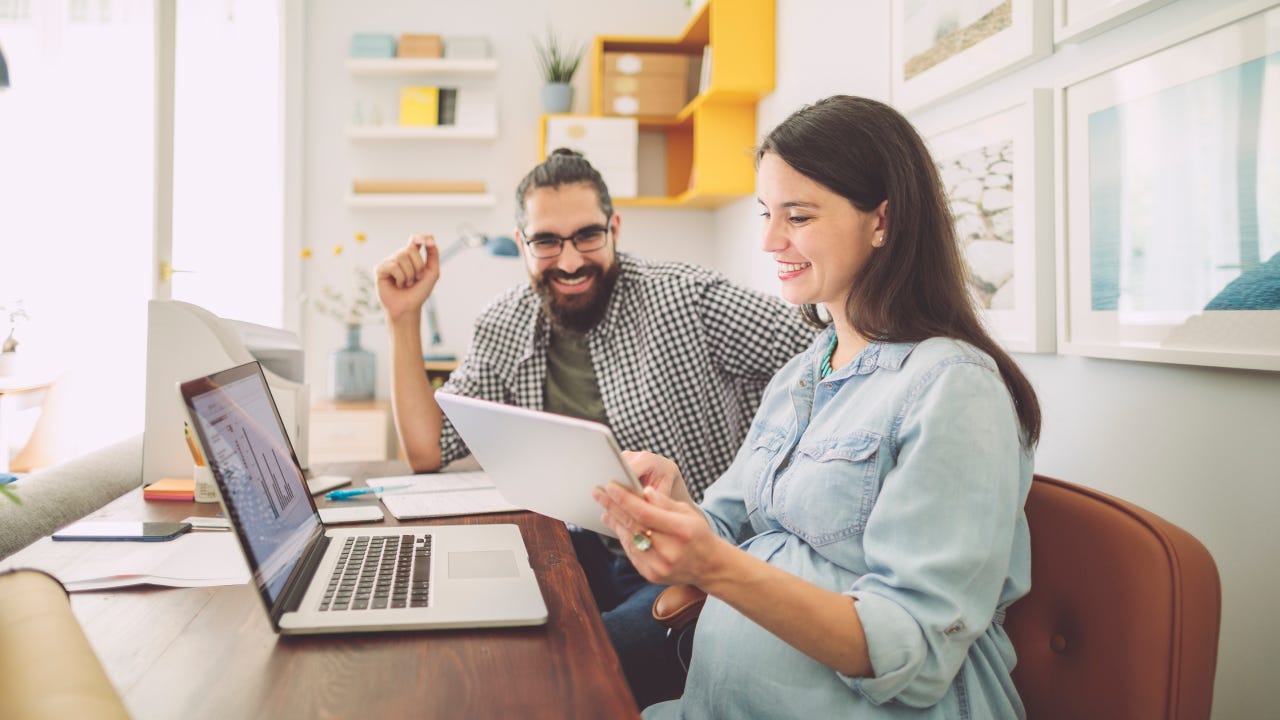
x: 558, y: 63
x: 352, y: 367
x: 13, y: 313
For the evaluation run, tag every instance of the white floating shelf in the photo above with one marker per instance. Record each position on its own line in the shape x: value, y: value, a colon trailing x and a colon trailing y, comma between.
x: 421, y: 66
x: 423, y: 132
x: 406, y: 200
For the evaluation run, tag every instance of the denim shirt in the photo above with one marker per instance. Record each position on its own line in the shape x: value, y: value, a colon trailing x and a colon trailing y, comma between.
x: 899, y: 480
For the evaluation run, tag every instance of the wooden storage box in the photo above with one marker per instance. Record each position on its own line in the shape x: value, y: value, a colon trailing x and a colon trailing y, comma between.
x: 644, y: 83
x: 419, y: 46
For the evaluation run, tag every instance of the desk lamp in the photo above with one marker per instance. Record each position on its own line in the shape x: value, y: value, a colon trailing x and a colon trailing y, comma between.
x: 497, y: 246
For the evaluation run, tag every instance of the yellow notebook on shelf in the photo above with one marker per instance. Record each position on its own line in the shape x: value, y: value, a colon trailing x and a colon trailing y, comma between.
x: 419, y: 105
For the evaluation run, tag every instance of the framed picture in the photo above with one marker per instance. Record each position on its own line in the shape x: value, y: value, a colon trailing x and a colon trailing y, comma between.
x: 1169, y: 219
x: 997, y: 172
x: 942, y: 47
x: 1078, y: 20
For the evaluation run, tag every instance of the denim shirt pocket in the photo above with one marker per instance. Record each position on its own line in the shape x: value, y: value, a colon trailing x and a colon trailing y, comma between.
x: 827, y: 492
x: 765, y: 444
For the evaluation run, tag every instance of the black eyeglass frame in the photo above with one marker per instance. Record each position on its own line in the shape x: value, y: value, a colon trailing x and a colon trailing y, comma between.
x: 576, y: 238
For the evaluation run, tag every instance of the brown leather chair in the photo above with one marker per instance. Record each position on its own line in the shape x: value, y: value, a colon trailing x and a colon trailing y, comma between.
x: 1122, y: 618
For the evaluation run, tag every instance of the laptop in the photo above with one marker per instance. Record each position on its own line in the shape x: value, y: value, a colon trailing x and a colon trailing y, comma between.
x: 314, y: 579
x: 541, y: 461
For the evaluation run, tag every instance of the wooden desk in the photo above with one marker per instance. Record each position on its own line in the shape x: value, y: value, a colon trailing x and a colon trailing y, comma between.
x: 211, y: 652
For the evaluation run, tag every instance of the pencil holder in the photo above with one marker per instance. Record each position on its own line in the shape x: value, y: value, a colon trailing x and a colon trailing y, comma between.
x: 206, y: 488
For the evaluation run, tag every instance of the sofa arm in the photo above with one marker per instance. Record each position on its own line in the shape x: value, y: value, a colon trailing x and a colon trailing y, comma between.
x: 68, y: 491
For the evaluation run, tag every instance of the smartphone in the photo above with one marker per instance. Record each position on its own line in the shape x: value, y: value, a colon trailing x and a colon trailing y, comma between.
x: 360, y: 513
x: 122, y: 530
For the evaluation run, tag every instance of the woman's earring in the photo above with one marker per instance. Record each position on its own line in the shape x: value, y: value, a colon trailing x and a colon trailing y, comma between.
x: 879, y: 241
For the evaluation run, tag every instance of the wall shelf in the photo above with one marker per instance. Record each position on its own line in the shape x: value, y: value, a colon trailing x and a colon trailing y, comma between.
x: 418, y: 200
x: 708, y: 162
x: 421, y: 66
x: 379, y: 83
x: 424, y: 132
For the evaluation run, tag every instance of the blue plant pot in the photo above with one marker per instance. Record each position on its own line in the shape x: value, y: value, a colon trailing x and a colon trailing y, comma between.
x: 352, y: 369
x: 557, y: 97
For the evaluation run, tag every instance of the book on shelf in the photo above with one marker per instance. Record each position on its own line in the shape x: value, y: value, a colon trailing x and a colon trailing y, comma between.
x: 418, y: 186
x: 447, y: 114
x: 419, y: 105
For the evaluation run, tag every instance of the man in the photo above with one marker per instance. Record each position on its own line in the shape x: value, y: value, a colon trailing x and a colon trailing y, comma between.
x: 671, y: 356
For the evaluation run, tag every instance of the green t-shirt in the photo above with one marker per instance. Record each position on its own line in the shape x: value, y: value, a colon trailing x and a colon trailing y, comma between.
x: 572, y: 388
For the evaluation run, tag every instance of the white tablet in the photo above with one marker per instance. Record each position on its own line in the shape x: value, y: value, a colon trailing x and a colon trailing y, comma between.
x: 541, y: 461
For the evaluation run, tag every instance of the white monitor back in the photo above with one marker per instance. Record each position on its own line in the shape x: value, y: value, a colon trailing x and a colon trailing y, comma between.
x: 184, y: 342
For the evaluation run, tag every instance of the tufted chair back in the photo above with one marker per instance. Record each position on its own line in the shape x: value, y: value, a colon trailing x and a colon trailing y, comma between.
x: 1122, y: 618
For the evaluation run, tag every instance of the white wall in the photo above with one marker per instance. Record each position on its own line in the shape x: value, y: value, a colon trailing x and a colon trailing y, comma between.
x: 1192, y: 444
x: 471, y: 279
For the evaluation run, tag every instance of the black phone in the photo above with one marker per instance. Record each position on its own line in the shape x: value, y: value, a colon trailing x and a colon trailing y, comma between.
x: 122, y: 530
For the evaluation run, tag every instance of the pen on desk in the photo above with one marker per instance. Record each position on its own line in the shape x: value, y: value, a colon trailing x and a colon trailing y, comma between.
x: 354, y: 492
x: 191, y: 445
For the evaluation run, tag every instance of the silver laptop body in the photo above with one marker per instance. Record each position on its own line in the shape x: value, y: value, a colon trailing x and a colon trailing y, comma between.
x: 317, y: 580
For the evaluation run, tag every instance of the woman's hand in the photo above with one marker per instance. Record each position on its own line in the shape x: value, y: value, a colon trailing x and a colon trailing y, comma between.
x: 680, y: 546
x: 659, y: 473
x: 405, y: 279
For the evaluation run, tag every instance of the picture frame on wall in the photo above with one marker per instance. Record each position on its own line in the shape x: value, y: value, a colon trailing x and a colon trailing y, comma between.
x: 1078, y: 20
x: 997, y: 172
x: 944, y: 47
x: 1169, y: 215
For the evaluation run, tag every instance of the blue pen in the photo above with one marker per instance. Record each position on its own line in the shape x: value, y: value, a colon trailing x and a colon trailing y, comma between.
x: 353, y: 492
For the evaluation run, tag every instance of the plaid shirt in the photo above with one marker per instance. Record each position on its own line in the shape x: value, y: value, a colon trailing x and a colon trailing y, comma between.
x: 682, y: 357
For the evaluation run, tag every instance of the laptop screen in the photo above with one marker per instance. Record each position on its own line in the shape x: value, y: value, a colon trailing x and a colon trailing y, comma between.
x: 249, y: 453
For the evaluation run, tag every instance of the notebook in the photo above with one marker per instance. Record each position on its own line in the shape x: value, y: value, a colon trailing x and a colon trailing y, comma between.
x: 541, y: 461
x: 314, y: 579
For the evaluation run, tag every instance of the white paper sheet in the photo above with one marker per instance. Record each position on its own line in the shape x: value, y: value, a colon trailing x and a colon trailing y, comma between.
x: 196, y: 559
x: 441, y: 495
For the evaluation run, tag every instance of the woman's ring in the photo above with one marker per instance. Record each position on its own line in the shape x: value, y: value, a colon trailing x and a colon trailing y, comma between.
x: 641, y: 540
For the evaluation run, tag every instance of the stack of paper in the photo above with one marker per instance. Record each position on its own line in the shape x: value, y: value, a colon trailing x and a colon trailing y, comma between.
x: 441, y: 495
x: 171, y: 489
x: 195, y: 559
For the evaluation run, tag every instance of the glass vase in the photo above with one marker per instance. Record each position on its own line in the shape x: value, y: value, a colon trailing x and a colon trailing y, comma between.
x: 351, y: 369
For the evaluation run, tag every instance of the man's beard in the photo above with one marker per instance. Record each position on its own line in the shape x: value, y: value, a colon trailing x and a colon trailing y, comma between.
x: 578, y: 312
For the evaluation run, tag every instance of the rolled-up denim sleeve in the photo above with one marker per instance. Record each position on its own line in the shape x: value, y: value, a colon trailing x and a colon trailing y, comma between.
x: 939, y: 538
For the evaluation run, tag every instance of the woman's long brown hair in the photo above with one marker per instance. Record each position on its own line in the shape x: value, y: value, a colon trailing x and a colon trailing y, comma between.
x: 912, y: 288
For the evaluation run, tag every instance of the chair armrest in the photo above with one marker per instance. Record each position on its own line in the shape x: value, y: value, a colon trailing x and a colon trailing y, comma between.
x: 678, y: 605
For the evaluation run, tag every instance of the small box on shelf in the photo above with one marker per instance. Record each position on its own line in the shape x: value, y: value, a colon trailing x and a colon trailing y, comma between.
x: 419, y: 46
x: 373, y: 45
x: 610, y: 143
x: 466, y: 47
x: 647, y: 83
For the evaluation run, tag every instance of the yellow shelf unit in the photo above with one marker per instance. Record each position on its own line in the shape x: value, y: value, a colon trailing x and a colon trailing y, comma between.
x: 709, y: 161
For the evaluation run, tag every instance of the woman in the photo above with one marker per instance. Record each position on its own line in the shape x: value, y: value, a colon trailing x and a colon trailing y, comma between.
x: 862, y: 549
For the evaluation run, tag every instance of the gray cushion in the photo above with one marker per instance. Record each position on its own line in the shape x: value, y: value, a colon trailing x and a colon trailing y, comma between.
x: 68, y: 491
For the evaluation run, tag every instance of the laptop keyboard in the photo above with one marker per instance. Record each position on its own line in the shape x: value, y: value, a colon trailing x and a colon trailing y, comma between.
x: 380, y: 572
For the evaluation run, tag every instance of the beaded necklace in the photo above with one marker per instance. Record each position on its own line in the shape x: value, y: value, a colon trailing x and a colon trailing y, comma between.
x: 825, y: 368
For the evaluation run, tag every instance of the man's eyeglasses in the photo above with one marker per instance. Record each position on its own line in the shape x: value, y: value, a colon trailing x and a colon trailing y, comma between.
x: 548, y: 245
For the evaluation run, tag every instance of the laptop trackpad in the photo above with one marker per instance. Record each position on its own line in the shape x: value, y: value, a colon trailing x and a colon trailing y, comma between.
x: 476, y: 564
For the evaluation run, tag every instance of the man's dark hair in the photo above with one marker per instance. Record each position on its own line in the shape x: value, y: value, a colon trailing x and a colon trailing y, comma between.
x: 562, y: 167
